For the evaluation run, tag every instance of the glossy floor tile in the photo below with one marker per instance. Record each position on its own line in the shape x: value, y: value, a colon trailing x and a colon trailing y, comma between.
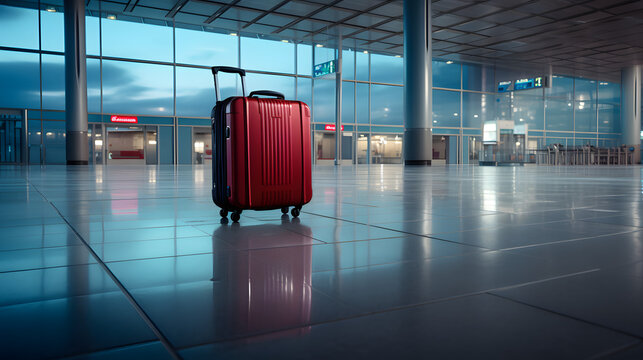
x: 387, y: 261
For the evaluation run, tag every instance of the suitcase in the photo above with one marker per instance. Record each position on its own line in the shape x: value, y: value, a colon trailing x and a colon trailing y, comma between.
x: 261, y: 151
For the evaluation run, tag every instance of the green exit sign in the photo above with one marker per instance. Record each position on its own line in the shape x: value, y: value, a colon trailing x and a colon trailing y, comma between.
x: 326, y: 68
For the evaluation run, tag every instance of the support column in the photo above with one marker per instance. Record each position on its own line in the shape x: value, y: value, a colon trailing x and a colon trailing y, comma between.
x: 418, y: 83
x: 631, y: 109
x: 75, y: 83
x: 338, y: 103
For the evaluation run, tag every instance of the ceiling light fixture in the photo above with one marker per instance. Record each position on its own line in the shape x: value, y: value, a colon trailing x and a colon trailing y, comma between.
x: 111, y: 17
x: 233, y: 34
x: 319, y: 45
x: 51, y: 9
x: 449, y: 62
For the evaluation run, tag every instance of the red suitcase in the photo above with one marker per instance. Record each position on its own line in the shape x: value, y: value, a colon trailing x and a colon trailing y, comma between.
x: 261, y: 151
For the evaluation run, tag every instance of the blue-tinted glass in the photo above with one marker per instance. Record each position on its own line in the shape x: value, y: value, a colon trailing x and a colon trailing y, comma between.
x: 609, y: 117
x: 348, y: 102
x: 609, y: 92
x: 585, y: 89
x: 53, y: 82
x: 446, y: 75
x: 585, y: 141
x: 206, y: 48
x: 92, y: 35
x: 134, y: 88
x: 387, y: 105
x: 267, y: 55
x: 20, y: 80
x: 529, y: 108
x: 361, y: 66
x: 323, y: 54
x: 131, y: 40
x: 52, y: 31
x: 561, y: 86
x: 348, y: 65
x: 194, y: 92
x: 54, y: 141
x: 476, y: 108
x: 34, y: 136
x: 93, y: 85
x: 446, y: 108
x: 387, y: 69
x: 283, y: 84
x: 324, y: 101
x: 558, y: 115
x: 19, y: 27
x: 585, y: 116
x: 477, y: 77
x: 503, y: 105
x: 304, y: 59
x: 362, y: 103
x: 305, y: 91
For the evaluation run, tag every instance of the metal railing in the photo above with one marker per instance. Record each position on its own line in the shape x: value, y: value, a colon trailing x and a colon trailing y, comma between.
x: 558, y: 154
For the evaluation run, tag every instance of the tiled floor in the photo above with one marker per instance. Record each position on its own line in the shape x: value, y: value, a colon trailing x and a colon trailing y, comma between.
x: 385, y: 262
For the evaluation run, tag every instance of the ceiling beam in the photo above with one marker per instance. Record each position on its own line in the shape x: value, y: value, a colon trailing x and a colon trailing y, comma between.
x: 175, y: 9
x: 350, y: 17
x: 131, y: 4
x: 306, y: 17
x: 220, y: 11
x: 263, y: 14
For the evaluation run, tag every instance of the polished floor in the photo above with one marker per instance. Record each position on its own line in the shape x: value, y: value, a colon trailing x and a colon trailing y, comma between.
x: 127, y: 262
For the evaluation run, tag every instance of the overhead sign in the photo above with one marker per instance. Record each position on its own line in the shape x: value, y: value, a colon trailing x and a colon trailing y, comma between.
x: 331, y: 127
x: 532, y: 83
x: 504, y: 86
x: 124, y: 119
x: 329, y: 67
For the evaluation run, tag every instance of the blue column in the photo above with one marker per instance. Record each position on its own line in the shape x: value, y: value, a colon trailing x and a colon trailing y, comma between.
x: 631, y: 109
x: 418, y: 148
x: 75, y: 84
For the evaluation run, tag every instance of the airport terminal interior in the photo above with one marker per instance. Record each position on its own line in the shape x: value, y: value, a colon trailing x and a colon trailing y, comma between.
x: 522, y: 239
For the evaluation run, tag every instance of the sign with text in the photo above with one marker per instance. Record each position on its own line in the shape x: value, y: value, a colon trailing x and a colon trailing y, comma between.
x: 331, y: 127
x: 124, y: 119
x: 531, y: 83
x: 329, y: 67
x: 504, y: 86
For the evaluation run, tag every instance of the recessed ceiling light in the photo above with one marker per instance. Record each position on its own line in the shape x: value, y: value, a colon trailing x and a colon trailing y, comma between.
x: 285, y: 41
x: 51, y: 9
x: 365, y: 52
x: 233, y: 34
x: 111, y: 17
x: 398, y: 56
x: 449, y: 62
x: 319, y: 45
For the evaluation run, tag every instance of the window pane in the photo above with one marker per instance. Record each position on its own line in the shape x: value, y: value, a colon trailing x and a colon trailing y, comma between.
x: 477, y: 77
x: 387, y: 105
x: 585, y: 116
x: 475, y: 109
x: 267, y: 55
x: 324, y: 101
x: 323, y: 54
x: 609, y: 92
x: 361, y: 62
x: 304, y: 59
x: 93, y: 85
x: 585, y: 89
x: 446, y: 108
x: 144, y: 41
x: 348, y: 65
x: 20, y: 84
x: 304, y: 91
x: 19, y: 27
x: 283, y: 84
x: 133, y: 88
x: 53, y: 82
x: 362, y: 103
x: 92, y: 35
x: 529, y: 108
x: 195, y: 92
x: 387, y: 69
x: 348, y: 102
x: 446, y: 75
x: 609, y: 118
x: 561, y: 87
x: 52, y: 31
x: 559, y: 115
x: 206, y: 48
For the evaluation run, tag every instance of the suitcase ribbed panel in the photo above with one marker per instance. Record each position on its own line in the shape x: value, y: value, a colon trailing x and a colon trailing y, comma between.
x: 276, y: 145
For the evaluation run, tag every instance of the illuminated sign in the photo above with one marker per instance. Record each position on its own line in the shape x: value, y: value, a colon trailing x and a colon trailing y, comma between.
x: 504, y: 86
x: 532, y: 83
x: 331, y: 127
x: 489, y: 133
x: 124, y: 119
x: 326, y: 68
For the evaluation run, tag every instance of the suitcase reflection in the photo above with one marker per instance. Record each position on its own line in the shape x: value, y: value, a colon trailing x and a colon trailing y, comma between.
x: 266, y: 288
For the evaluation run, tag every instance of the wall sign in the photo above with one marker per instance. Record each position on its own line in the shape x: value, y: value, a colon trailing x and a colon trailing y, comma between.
x: 124, y: 119
x: 331, y: 127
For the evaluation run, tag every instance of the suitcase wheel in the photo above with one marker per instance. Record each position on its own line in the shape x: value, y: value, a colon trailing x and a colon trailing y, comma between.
x: 223, y: 213
x: 236, y: 215
x: 294, y: 212
x: 284, y: 210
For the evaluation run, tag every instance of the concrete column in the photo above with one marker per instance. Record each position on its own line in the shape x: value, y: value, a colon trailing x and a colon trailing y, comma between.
x: 631, y: 109
x: 338, y: 103
x: 418, y: 84
x: 76, y: 83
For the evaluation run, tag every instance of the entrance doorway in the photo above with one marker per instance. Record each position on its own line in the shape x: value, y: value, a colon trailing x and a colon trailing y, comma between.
x: 134, y: 145
x: 202, y: 146
x: 12, y: 137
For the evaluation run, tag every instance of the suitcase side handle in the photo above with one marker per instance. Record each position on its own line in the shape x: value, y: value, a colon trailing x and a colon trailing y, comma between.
x: 276, y: 94
x: 228, y: 69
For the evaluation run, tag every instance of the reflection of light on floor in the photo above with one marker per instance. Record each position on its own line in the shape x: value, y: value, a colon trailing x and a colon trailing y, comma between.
x: 151, y: 175
x: 199, y: 175
x: 489, y: 200
x: 126, y: 202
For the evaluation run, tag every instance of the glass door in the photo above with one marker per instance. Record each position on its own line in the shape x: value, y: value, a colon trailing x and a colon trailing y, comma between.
x: 12, y: 137
x: 202, y: 146
x: 125, y: 145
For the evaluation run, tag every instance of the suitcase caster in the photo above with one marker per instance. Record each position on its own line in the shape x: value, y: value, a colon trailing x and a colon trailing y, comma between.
x: 223, y: 213
x: 284, y: 210
x: 236, y: 215
x: 294, y: 212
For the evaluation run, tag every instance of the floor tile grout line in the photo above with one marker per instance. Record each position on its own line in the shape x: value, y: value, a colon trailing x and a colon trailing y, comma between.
x: 566, y: 241
x: 110, y: 348
x: 163, y: 339
x: 615, y: 350
x: 622, y: 332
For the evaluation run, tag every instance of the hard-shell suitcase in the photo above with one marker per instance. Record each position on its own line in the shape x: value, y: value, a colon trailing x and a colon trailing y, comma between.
x: 261, y: 151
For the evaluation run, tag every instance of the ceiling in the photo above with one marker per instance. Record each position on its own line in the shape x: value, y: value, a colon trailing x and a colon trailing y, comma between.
x: 594, y: 38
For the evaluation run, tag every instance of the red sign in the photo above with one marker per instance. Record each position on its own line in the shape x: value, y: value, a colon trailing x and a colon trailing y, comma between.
x: 331, y: 127
x: 124, y: 119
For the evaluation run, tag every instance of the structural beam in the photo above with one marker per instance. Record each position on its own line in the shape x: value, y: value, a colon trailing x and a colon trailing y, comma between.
x: 631, y: 109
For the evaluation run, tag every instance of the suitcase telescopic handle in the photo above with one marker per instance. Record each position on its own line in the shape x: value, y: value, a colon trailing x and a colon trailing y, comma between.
x: 228, y: 69
x: 276, y: 94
